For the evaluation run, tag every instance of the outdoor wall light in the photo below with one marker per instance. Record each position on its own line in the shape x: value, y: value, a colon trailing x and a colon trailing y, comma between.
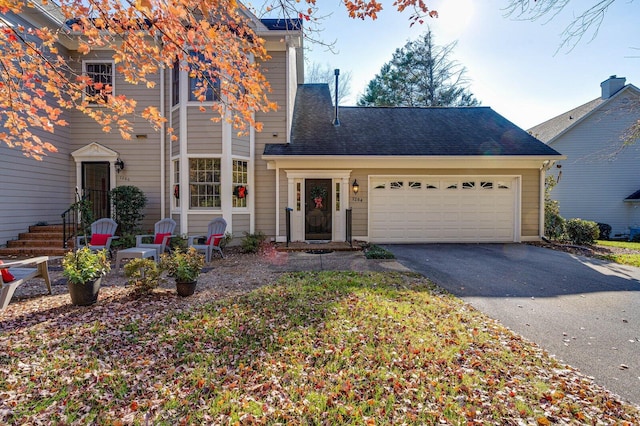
x: 119, y: 165
x: 355, y: 187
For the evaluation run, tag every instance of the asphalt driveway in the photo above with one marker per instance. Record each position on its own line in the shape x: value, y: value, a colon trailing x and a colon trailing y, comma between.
x: 583, y: 311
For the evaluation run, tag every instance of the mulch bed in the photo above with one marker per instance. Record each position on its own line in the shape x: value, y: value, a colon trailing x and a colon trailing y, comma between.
x: 590, y: 251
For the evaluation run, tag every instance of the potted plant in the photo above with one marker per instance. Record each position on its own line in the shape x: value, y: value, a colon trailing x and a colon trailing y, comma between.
x: 84, y: 270
x: 143, y: 275
x: 185, y: 267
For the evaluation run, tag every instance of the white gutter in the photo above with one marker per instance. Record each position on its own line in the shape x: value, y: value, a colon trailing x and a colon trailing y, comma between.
x: 162, y: 147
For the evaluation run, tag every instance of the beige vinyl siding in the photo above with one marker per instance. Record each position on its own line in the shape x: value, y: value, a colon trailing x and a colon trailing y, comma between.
x: 530, y: 199
x: 240, y: 145
x: 264, y: 197
x: 198, y: 223
x: 203, y: 135
x: 598, y: 174
x: 274, y: 131
x: 359, y: 209
x: 141, y: 155
x: 241, y: 224
x: 283, y: 201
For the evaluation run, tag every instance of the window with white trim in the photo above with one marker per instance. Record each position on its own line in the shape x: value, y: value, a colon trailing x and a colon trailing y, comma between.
x: 203, y: 83
x: 176, y: 183
x: 204, y: 183
x: 240, y: 180
x: 101, y: 85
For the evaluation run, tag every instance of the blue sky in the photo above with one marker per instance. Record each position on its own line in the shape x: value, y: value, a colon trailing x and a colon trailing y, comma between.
x: 513, y: 66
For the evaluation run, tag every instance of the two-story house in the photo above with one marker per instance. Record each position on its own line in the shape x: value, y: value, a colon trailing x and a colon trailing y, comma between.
x: 599, y: 180
x: 376, y: 174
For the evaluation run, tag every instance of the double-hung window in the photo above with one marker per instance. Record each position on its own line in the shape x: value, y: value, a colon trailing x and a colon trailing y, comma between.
x: 203, y: 83
x: 204, y: 183
x: 240, y: 180
x: 101, y: 85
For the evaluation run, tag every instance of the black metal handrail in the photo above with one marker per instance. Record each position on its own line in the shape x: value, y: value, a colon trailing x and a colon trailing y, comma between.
x: 79, y: 213
x: 70, y: 220
x: 287, y: 213
x: 349, y: 227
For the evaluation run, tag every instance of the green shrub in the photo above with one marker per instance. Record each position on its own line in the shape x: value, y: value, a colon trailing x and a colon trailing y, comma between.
x: 251, y: 242
x: 128, y: 203
x: 125, y: 241
x: 143, y: 275
x: 605, y: 231
x: 226, y: 240
x: 554, y: 224
x: 376, y: 252
x: 582, y: 232
x: 179, y: 242
x: 184, y: 266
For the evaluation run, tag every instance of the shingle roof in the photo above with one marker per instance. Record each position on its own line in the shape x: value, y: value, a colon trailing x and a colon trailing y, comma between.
x: 553, y: 127
x: 633, y: 197
x: 374, y: 131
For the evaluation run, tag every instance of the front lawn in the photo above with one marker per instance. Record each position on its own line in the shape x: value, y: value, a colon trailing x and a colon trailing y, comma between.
x: 624, y: 252
x: 315, y: 348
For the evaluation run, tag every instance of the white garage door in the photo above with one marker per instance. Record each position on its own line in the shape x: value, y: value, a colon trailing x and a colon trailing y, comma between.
x: 412, y: 209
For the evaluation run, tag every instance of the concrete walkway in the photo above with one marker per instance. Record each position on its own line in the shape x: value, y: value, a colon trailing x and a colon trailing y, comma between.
x: 333, y: 261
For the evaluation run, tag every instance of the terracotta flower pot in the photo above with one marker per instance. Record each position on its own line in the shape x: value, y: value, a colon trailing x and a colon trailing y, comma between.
x: 84, y: 294
x: 186, y: 289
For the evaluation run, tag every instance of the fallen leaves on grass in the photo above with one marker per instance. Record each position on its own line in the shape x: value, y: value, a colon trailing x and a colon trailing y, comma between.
x: 314, y: 348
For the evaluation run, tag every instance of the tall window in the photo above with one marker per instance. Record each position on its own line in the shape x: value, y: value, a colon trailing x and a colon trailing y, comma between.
x: 202, y: 77
x: 176, y: 183
x: 175, y: 83
x: 204, y: 182
x: 240, y: 180
x: 101, y: 74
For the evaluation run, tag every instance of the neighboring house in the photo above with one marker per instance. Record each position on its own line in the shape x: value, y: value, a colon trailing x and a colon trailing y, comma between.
x: 600, y: 179
x: 423, y: 174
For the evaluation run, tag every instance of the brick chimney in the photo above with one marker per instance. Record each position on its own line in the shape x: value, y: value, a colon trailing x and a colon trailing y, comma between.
x: 611, y: 86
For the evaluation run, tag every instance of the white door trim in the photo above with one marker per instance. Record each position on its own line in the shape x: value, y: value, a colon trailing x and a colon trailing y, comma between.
x: 296, y: 200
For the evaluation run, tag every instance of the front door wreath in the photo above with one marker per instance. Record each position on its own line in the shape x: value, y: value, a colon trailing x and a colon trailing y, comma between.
x: 318, y: 194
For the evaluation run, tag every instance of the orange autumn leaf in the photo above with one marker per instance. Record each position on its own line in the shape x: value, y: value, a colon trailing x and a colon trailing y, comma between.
x: 143, y: 39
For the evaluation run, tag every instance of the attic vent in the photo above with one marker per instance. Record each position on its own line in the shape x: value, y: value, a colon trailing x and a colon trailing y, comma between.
x: 336, y: 120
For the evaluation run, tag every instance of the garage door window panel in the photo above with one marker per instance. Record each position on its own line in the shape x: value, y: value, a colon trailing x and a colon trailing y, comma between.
x: 451, y: 185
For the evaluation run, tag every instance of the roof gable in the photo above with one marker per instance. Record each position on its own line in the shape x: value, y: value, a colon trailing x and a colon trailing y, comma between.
x: 552, y: 129
x: 401, y: 131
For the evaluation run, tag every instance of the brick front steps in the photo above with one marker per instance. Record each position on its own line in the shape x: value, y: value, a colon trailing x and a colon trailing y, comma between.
x: 41, y: 240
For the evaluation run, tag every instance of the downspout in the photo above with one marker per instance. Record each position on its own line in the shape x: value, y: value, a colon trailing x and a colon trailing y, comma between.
x: 278, y: 203
x: 163, y: 142
x: 546, y: 165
